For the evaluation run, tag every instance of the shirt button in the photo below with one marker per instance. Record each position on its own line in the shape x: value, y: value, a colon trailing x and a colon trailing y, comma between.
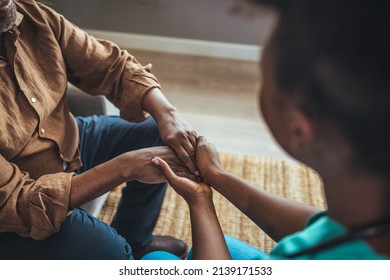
x: 33, y: 100
x: 43, y: 131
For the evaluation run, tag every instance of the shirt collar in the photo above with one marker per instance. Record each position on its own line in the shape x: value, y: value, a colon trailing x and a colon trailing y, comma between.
x: 19, y: 18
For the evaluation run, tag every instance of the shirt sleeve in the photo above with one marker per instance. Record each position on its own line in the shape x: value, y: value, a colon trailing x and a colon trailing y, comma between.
x: 100, y: 67
x: 32, y: 208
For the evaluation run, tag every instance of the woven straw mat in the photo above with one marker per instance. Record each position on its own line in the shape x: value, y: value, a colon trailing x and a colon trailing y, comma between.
x: 288, y: 179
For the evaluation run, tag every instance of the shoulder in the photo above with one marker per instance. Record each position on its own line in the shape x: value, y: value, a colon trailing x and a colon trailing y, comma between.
x: 319, y: 230
x: 26, y: 4
x: 39, y: 14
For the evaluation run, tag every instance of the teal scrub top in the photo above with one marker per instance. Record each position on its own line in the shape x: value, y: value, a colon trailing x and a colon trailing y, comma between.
x: 319, y: 229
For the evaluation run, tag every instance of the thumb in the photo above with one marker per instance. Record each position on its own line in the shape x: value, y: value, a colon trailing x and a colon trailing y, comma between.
x: 201, y: 141
x: 166, y: 169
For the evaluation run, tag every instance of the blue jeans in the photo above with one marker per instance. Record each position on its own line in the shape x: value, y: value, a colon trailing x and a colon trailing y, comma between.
x: 238, y: 249
x: 84, y: 237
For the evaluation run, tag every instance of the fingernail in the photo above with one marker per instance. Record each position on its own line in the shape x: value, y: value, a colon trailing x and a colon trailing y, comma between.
x: 155, y: 161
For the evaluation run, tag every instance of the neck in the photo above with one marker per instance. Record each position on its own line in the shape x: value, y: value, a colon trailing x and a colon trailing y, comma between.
x: 8, y: 15
x: 356, y: 199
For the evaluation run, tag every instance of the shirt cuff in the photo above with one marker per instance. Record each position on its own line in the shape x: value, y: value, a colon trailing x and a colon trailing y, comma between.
x: 47, y: 205
x: 136, y: 86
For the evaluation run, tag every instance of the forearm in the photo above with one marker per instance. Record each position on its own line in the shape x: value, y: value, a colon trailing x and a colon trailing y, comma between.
x: 130, y: 166
x: 174, y: 130
x: 156, y: 104
x: 207, y: 236
x: 97, y: 181
x: 276, y: 215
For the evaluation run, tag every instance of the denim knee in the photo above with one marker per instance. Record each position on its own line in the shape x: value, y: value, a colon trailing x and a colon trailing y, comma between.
x: 81, y: 237
x: 85, y: 237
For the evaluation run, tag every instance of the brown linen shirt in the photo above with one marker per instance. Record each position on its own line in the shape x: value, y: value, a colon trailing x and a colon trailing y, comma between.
x: 39, y: 55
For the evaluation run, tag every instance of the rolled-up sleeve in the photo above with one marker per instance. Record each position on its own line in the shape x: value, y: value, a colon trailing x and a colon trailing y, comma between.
x: 100, y: 67
x: 135, y: 85
x: 32, y: 208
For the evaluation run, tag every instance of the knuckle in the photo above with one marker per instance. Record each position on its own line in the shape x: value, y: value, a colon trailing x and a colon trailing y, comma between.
x: 191, y: 133
x: 181, y: 174
x: 185, y: 158
x: 202, y: 145
x: 170, y: 140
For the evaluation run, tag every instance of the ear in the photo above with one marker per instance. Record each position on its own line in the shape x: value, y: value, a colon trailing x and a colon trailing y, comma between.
x: 300, y: 134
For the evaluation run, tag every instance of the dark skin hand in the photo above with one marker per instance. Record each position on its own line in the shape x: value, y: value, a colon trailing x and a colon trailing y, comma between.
x: 174, y: 130
x: 207, y: 236
x: 277, y: 216
x: 134, y: 165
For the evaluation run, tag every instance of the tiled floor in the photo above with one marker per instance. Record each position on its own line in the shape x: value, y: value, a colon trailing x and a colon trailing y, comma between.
x: 218, y: 97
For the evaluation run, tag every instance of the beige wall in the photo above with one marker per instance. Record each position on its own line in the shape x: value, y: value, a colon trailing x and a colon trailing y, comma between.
x: 191, y: 19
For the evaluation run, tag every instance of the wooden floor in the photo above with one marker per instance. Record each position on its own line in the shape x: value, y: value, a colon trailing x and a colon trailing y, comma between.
x: 218, y: 97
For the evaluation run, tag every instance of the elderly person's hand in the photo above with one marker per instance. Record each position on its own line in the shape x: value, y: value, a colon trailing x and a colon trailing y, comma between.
x: 181, y: 137
x: 175, y: 132
x: 145, y: 171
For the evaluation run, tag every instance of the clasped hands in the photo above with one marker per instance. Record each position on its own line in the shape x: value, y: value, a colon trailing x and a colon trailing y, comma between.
x: 161, y: 164
x: 193, y: 189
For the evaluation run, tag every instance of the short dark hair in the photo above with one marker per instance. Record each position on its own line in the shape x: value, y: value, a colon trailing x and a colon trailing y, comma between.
x: 336, y: 53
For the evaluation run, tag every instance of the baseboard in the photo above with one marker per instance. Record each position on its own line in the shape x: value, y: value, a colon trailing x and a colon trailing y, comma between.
x: 180, y: 46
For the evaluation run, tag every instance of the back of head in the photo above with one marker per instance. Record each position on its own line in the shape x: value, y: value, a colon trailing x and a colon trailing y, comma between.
x: 336, y: 53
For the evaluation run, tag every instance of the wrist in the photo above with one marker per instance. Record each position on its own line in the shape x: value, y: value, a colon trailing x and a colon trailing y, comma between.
x: 200, y: 203
x: 126, y: 171
x: 166, y: 114
x: 214, y: 176
x: 155, y: 103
